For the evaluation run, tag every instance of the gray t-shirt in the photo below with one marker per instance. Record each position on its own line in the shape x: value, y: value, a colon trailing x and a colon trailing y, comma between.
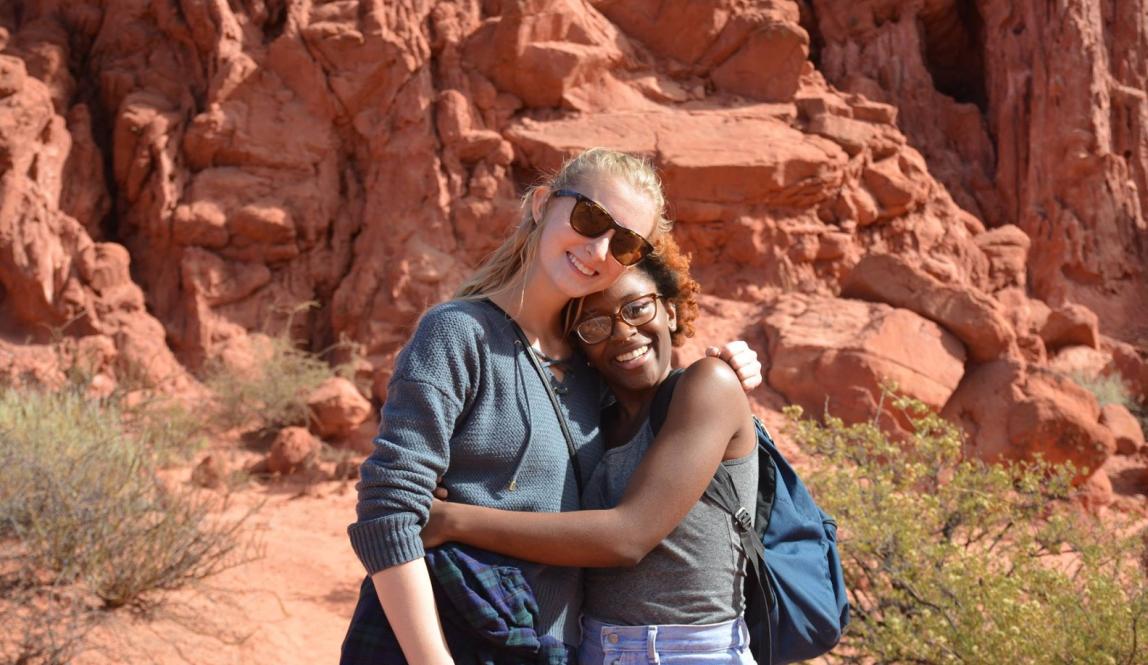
x: 694, y: 576
x: 465, y: 403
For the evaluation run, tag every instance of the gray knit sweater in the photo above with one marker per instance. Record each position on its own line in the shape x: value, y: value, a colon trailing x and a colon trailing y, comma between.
x: 465, y: 403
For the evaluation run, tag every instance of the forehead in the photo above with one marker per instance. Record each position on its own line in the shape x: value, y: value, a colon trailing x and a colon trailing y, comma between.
x: 628, y: 205
x: 631, y: 284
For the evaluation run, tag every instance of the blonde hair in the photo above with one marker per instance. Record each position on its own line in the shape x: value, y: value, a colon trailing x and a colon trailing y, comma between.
x: 506, y: 266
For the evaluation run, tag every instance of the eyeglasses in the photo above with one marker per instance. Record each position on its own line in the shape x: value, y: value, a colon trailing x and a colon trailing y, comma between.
x: 592, y: 220
x: 636, y: 312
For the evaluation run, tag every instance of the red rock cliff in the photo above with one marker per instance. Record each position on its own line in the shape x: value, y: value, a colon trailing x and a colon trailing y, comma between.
x: 943, y: 192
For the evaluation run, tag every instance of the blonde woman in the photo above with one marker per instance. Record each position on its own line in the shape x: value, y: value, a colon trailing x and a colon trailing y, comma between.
x: 467, y: 403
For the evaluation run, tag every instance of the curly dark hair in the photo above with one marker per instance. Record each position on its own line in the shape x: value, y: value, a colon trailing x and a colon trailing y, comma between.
x: 669, y: 267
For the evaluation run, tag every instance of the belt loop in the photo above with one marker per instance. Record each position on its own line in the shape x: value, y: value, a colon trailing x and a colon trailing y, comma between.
x: 652, y: 645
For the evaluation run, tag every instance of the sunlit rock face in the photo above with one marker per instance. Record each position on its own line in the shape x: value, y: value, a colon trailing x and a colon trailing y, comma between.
x: 964, y: 179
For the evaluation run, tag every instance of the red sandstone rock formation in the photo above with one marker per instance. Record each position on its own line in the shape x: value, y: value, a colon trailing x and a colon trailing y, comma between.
x: 1030, y: 113
x: 832, y: 355
x: 179, y: 175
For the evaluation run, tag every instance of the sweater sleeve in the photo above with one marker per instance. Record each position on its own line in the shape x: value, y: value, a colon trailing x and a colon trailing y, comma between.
x: 434, y: 380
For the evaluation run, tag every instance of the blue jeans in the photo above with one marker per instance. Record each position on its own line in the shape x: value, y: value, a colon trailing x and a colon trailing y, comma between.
x: 604, y: 644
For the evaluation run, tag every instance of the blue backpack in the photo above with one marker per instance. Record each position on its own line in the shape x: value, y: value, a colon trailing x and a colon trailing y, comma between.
x: 796, y: 607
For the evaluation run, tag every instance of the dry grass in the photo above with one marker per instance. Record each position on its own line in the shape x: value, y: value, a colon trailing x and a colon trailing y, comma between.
x: 270, y: 394
x: 87, y: 525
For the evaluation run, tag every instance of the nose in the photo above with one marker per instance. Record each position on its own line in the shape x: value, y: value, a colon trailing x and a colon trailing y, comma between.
x: 621, y: 330
x: 600, y: 246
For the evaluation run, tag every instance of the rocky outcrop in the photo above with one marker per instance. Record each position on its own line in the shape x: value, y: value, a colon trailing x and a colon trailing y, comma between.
x: 975, y: 318
x: 838, y: 356
x: 57, y: 281
x: 1016, y: 412
x: 1030, y: 113
x: 181, y: 178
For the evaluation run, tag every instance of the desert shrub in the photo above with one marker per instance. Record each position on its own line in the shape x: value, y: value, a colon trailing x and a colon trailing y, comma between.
x: 80, y: 496
x: 1111, y: 389
x: 1107, y: 388
x: 170, y: 430
x: 271, y: 393
x: 952, y: 560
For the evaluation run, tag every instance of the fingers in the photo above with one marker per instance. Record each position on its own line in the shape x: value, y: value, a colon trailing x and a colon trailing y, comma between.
x: 750, y: 376
x: 736, y: 348
x: 744, y: 361
x: 439, y: 491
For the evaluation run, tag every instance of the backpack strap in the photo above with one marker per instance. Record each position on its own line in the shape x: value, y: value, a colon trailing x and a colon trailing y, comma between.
x: 723, y: 493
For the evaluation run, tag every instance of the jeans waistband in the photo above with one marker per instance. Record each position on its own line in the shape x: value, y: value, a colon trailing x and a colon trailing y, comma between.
x: 666, y: 638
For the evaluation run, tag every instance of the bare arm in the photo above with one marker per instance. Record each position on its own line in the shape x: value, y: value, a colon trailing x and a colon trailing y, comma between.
x: 405, y: 593
x: 708, y: 411
x: 396, y: 480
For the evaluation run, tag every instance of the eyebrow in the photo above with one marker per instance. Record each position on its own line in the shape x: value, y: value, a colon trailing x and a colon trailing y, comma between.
x: 625, y: 300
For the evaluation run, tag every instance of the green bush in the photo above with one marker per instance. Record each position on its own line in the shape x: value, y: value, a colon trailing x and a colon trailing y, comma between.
x: 80, y: 496
x: 951, y: 560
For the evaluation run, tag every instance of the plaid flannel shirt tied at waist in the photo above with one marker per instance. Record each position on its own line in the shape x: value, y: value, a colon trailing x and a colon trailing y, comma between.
x: 487, y: 608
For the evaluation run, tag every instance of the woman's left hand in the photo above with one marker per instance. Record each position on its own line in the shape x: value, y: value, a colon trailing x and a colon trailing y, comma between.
x: 743, y: 360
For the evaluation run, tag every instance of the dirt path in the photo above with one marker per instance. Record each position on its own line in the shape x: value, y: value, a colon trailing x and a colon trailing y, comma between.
x: 290, y: 606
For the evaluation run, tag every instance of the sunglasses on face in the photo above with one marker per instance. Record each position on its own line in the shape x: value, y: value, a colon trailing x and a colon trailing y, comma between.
x: 591, y: 220
x: 636, y: 312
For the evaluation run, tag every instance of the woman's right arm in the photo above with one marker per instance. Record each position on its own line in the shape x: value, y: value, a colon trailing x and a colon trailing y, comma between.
x: 405, y: 593
x: 434, y: 376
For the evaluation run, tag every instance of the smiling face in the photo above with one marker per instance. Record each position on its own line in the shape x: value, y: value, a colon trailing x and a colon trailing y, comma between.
x: 574, y: 264
x: 632, y: 358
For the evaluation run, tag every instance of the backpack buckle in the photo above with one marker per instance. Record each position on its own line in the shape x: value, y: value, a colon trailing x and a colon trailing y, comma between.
x: 744, y: 519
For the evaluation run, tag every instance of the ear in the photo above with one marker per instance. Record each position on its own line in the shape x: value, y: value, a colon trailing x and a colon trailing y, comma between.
x: 671, y: 315
x: 538, y: 200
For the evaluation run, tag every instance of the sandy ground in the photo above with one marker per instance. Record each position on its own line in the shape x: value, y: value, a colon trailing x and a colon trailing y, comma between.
x: 291, y: 605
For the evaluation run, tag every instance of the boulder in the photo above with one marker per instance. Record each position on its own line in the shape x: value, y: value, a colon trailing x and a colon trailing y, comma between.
x: 1071, y: 324
x: 1095, y: 492
x: 973, y: 317
x: 337, y: 408
x: 293, y: 450
x: 1012, y: 411
x: 1124, y: 427
x: 830, y: 354
x: 714, y: 160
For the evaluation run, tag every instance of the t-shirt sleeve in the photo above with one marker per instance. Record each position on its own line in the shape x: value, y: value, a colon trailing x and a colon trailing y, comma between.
x: 433, y: 382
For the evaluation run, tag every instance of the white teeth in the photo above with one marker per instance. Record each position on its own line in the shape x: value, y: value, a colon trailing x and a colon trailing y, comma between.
x: 582, y: 267
x: 636, y: 353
